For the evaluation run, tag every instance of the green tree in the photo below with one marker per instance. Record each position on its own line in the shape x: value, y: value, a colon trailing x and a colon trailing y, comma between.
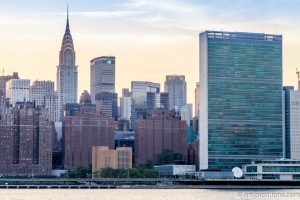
x: 79, y: 172
x: 169, y: 157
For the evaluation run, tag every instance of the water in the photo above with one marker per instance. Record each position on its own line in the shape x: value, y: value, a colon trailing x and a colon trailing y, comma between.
x: 132, y: 194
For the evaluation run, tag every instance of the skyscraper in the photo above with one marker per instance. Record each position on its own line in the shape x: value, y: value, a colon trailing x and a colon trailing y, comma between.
x: 197, y: 99
x: 107, y: 103
x: 143, y: 97
x: 240, y: 98
x: 67, y: 75
x: 102, y: 75
x: 186, y: 113
x: 125, y: 104
x: 39, y: 89
x: 51, y: 106
x: 175, y: 85
x: 292, y: 122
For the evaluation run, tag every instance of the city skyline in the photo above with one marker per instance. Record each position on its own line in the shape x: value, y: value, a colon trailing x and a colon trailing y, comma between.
x: 138, y: 33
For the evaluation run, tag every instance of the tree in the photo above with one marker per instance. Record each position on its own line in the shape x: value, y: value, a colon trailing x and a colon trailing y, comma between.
x: 79, y: 172
x: 169, y: 157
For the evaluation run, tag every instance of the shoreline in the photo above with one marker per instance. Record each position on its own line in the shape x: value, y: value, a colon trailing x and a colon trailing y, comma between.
x: 125, y: 187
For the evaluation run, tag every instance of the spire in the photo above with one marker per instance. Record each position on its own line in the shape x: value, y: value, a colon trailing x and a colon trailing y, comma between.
x: 67, y: 27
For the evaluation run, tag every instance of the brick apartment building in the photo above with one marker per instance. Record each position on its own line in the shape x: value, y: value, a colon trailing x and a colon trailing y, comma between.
x: 25, y: 142
x: 83, y: 130
x: 160, y: 132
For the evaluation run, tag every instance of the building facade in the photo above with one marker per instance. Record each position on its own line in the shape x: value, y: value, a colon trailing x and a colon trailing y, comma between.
x: 17, y: 90
x: 102, y: 75
x: 26, y: 142
x: 67, y: 74
x: 143, y: 97
x: 157, y: 134
x: 186, y: 113
x: 125, y: 107
x: 3, y: 80
x: 83, y: 130
x: 38, y: 90
x: 197, y: 99
x: 240, y: 98
x: 162, y: 101
x: 272, y: 170
x: 51, y: 106
x: 103, y: 157
x: 175, y: 85
x: 107, y: 103
x: 291, y: 117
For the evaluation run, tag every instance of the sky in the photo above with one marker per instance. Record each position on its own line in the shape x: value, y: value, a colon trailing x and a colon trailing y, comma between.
x: 149, y: 38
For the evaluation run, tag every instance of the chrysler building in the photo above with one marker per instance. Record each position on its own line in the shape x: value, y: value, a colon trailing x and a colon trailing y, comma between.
x: 67, y: 75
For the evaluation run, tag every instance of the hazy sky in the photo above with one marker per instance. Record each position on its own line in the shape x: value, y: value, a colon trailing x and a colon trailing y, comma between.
x: 150, y: 38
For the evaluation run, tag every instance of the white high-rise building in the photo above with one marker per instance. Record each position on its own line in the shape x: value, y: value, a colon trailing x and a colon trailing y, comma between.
x: 52, y: 106
x: 39, y: 90
x: 292, y: 122
x: 125, y: 107
x: 67, y: 75
x: 17, y: 90
x: 186, y: 113
x: 102, y: 75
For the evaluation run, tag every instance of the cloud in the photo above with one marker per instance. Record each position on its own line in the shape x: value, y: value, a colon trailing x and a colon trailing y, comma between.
x: 107, y: 14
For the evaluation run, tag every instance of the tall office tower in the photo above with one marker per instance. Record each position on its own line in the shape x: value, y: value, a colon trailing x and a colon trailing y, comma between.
x: 186, y: 113
x: 51, y: 106
x: 17, y: 90
x: 292, y: 122
x: 157, y: 134
x: 175, y: 85
x: 85, y: 129
x: 26, y: 142
x: 107, y: 103
x: 141, y: 97
x: 125, y: 104
x: 67, y: 75
x: 103, y: 74
x: 240, y: 98
x: 162, y: 101
x: 39, y: 90
x: 3, y: 80
x: 197, y: 99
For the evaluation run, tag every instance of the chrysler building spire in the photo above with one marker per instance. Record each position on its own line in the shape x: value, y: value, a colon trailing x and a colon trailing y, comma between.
x: 67, y: 53
x: 67, y: 27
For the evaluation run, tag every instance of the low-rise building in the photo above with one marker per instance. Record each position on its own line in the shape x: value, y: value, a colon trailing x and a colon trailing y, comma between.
x: 174, y: 170
x: 103, y: 157
x: 272, y: 169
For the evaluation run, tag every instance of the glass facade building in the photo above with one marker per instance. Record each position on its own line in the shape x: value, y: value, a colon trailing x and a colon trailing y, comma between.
x: 107, y: 103
x: 143, y: 97
x: 241, y: 99
x: 103, y: 75
x: 175, y: 85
